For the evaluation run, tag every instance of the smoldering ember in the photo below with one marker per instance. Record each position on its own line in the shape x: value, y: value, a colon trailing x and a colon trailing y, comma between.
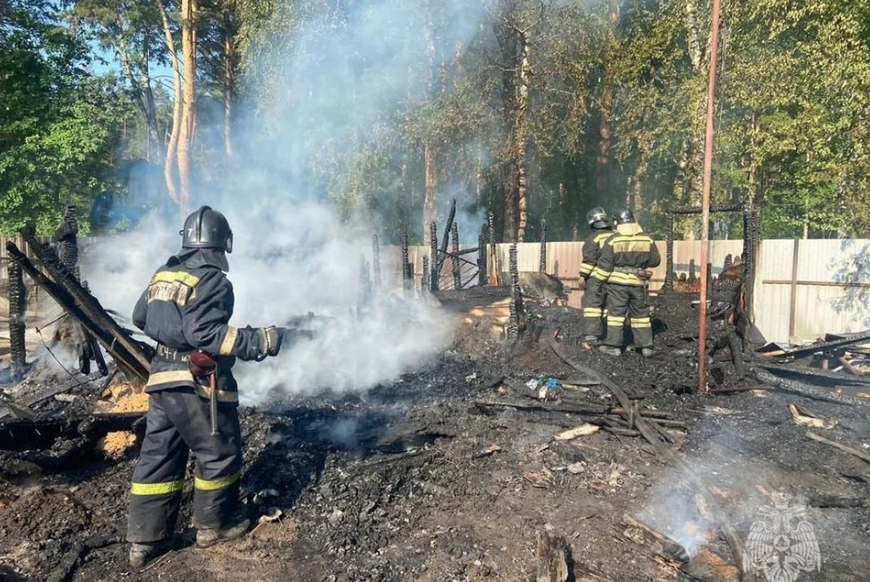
x: 434, y: 291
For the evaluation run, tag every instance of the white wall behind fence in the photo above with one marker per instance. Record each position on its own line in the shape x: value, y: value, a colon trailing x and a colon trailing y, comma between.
x: 804, y: 288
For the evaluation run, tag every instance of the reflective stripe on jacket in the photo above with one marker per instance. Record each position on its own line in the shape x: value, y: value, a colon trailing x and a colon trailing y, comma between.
x: 627, y: 251
x: 187, y: 306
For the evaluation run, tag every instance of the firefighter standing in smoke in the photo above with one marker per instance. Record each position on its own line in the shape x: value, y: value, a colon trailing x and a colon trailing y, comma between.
x: 186, y: 309
x: 592, y: 278
x: 627, y: 255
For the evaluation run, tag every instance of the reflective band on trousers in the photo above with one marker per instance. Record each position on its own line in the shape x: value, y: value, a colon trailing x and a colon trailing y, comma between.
x: 615, y: 319
x: 640, y: 322
x: 216, y: 484
x: 625, y: 279
x: 157, y: 488
x: 593, y: 312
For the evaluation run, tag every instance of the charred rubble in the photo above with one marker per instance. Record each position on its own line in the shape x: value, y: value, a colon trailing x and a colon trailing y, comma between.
x: 515, y: 455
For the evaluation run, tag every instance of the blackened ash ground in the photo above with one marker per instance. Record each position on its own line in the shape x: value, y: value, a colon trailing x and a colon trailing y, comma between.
x: 397, y: 484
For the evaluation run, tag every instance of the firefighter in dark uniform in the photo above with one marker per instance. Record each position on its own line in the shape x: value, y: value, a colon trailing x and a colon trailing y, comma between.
x: 592, y: 278
x: 627, y: 255
x: 186, y: 309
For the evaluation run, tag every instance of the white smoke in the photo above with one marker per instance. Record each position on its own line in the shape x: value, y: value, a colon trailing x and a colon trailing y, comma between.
x: 334, y: 87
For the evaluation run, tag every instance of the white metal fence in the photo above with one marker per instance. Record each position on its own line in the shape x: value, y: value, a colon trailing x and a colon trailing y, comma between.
x: 804, y: 288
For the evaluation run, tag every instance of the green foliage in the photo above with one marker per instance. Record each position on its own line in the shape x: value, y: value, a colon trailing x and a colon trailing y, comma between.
x: 792, y: 113
x: 57, y: 123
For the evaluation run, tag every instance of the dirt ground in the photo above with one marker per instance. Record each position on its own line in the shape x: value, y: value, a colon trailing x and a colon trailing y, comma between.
x: 418, y: 481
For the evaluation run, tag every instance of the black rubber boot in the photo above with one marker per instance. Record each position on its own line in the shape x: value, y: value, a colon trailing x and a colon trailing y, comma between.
x: 610, y: 351
x: 206, y: 537
x: 142, y: 553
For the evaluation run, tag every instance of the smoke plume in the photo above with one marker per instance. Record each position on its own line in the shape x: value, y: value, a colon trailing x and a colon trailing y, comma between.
x: 329, y: 87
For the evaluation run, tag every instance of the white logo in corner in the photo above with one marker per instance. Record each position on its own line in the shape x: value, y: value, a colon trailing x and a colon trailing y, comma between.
x: 782, y: 544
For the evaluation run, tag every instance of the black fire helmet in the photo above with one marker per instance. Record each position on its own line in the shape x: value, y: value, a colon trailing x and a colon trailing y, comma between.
x: 207, y: 229
x: 623, y: 216
x: 597, y: 218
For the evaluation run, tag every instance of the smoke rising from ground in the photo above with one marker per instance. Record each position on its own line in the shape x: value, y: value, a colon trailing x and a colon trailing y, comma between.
x: 336, y: 81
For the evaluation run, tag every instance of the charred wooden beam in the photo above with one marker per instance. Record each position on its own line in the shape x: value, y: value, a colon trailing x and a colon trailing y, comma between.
x: 128, y: 354
x: 434, y: 263
x: 454, y: 260
x: 426, y: 273
x: 17, y: 310
x: 846, y: 449
x: 553, y: 559
x: 516, y: 304
x: 22, y: 435
x: 451, y: 214
x: 406, y: 284
x: 806, y: 351
x: 659, y: 542
x: 481, y: 257
x: 85, y: 301
x: 542, y: 264
x: 94, y: 346
x: 492, y: 264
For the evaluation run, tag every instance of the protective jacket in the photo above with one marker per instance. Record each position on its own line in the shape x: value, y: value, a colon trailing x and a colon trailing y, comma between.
x: 592, y: 254
x: 627, y: 251
x: 595, y: 295
x: 187, y: 306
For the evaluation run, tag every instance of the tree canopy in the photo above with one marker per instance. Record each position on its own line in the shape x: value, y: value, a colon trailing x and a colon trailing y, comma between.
x: 387, y: 109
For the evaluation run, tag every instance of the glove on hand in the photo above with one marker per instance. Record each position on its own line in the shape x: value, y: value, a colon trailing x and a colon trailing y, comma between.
x: 271, y: 340
x: 581, y: 284
x: 644, y: 274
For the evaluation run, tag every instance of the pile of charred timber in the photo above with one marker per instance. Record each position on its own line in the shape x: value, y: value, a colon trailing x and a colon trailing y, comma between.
x: 835, y: 368
x: 54, y: 277
x: 58, y: 276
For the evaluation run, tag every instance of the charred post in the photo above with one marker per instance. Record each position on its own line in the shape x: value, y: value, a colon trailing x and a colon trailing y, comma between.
x: 93, y: 346
x: 729, y: 262
x: 543, y: 264
x: 376, y: 260
x: 751, y: 241
x: 492, y: 263
x: 17, y: 309
x: 66, y: 237
x: 406, y: 284
x: 435, y: 264
x: 454, y: 260
x: 516, y: 304
x: 447, y: 230
x: 481, y: 257
x: 669, y: 254
x: 692, y: 276
x: 425, y: 279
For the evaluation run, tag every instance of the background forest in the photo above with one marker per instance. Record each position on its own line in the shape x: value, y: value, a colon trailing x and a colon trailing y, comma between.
x: 529, y: 109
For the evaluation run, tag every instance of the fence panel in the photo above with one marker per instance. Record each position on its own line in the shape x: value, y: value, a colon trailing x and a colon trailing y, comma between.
x: 804, y: 288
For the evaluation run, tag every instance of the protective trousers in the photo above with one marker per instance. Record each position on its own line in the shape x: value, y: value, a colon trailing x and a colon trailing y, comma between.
x: 178, y: 422
x: 592, y: 303
x: 628, y: 300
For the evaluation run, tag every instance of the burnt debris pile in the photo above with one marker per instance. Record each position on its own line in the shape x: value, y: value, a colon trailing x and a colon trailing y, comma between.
x: 518, y: 453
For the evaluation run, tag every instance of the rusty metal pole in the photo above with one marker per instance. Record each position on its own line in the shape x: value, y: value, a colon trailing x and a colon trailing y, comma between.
x: 705, y: 201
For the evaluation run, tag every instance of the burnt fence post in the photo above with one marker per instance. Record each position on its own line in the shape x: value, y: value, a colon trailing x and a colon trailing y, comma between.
x: 17, y: 312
